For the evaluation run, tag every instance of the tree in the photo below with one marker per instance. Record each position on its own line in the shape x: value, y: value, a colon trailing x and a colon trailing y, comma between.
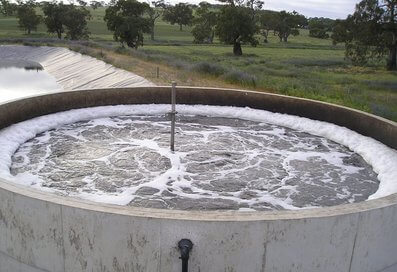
x: 318, y: 28
x: 235, y: 26
x: 155, y: 13
x: 28, y: 20
x: 96, y: 4
x: 341, y: 30
x: 204, y: 24
x: 268, y: 21
x: 68, y: 19
x: 371, y: 32
x: 53, y: 17
x: 75, y: 22
x: 326, y: 23
x: 318, y: 32
x: 288, y: 24
x: 180, y: 14
x: 7, y: 8
x: 127, y: 21
x: 81, y: 3
x: 253, y: 5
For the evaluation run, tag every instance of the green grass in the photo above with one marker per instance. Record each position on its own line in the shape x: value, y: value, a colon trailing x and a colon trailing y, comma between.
x: 316, y: 74
x: 304, y: 67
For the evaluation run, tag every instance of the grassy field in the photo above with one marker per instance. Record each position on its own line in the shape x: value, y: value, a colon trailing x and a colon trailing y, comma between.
x: 305, y: 67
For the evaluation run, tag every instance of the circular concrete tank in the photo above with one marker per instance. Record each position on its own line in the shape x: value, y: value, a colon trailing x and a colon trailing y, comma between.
x: 44, y: 232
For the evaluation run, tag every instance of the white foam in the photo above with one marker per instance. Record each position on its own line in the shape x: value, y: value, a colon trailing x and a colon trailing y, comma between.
x: 382, y: 158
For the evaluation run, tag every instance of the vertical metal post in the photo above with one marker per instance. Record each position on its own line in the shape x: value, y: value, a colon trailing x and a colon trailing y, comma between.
x: 157, y: 72
x: 173, y: 113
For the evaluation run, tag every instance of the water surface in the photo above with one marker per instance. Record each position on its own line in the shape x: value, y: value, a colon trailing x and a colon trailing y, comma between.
x: 17, y: 82
x: 219, y: 163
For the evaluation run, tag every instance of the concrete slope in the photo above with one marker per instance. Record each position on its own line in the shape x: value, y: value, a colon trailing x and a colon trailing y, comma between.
x: 72, y: 70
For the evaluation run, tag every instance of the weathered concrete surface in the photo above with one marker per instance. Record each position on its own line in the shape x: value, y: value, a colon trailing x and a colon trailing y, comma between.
x: 378, y: 236
x: 31, y: 236
x: 44, y: 232
x: 72, y: 70
x: 392, y: 268
x: 10, y: 264
x: 106, y: 238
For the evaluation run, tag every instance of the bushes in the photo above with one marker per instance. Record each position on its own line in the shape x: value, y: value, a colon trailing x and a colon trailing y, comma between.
x: 208, y: 68
x: 232, y: 76
x: 316, y: 62
x: 319, y: 33
x: 381, y: 84
x: 239, y: 77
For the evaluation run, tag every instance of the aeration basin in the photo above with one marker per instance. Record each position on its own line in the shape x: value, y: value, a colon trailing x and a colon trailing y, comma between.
x: 46, y: 231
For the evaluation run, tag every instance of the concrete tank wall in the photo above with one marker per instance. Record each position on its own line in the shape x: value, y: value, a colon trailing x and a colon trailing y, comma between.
x: 44, y: 232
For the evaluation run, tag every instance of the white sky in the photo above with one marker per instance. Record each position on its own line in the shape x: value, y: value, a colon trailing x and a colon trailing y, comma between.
x: 335, y: 9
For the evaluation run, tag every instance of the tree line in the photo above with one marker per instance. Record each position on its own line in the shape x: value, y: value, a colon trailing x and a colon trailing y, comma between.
x: 369, y: 33
x: 65, y: 20
x: 235, y: 22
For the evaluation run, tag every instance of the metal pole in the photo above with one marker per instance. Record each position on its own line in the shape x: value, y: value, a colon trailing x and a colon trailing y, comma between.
x: 157, y: 72
x: 173, y: 113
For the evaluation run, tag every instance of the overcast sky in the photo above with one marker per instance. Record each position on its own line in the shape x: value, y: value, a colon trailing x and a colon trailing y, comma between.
x: 335, y: 9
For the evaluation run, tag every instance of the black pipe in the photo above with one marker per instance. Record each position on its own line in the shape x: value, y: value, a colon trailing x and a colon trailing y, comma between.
x: 185, y: 245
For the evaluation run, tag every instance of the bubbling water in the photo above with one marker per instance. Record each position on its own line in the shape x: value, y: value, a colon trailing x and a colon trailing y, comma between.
x: 219, y: 163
